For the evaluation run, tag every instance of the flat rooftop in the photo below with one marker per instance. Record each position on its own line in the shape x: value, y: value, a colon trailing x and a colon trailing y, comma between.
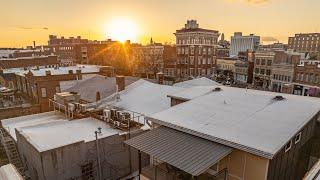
x: 54, y: 71
x: 248, y: 120
x: 11, y: 124
x: 203, y: 81
x: 143, y: 97
x: 53, y: 135
x: 94, y: 83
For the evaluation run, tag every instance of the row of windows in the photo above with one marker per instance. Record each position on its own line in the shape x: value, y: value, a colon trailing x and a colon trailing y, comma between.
x: 197, y: 41
x: 311, y: 78
x: 194, y: 72
x: 262, y: 71
x: 204, y: 50
x: 198, y: 61
x: 281, y: 77
x: 263, y: 62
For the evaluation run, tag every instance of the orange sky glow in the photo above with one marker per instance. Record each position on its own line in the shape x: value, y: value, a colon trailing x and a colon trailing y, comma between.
x: 25, y: 21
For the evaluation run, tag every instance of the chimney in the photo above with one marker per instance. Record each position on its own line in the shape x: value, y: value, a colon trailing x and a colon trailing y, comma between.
x: 160, y: 78
x: 48, y: 73
x: 98, y: 96
x: 120, y: 81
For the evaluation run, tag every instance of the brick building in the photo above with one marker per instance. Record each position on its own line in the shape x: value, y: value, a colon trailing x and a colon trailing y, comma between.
x: 196, y: 50
x: 169, y: 64
x: 305, y: 42
x: 307, y: 80
x: 263, y: 69
x: 40, y: 85
x: 283, y: 71
x: 148, y: 59
x: 25, y: 62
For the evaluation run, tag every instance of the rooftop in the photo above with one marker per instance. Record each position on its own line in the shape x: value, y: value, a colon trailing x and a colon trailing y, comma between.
x: 54, y: 71
x: 9, y: 172
x: 52, y: 135
x: 95, y: 83
x: 143, y: 97
x: 248, y: 120
x: 11, y: 124
x: 203, y: 81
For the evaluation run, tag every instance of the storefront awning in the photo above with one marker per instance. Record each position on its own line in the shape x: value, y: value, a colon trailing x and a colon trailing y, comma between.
x: 189, y: 153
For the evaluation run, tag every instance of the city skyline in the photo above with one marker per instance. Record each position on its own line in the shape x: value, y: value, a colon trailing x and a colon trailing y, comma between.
x: 273, y: 20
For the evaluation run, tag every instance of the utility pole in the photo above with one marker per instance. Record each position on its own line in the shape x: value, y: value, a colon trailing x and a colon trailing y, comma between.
x: 98, y: 152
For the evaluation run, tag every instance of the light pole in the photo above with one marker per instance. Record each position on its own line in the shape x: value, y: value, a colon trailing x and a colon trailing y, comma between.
x: 98, y: 152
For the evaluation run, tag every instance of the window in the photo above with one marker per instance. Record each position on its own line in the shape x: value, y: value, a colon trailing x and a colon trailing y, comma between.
x: 298, y: 138
x: 263, y: 62
x: 269, y: 62
x: 43, y: 92
x: 268, y: 72
x: 257, y: 61
x: 288, y: 146
x: 256, y: 70
x: 262, y: 71
x: 191, y: 60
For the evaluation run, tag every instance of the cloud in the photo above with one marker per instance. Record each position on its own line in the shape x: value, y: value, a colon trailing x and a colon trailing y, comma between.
x: 269, y: 39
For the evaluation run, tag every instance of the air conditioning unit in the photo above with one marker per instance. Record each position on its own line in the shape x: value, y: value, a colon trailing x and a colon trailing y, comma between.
x: 106, y: 114
x: 71, y: 107
x: 113, y: 113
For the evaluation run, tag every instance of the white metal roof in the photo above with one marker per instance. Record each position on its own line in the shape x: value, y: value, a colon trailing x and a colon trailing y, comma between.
x: 89, y: 87
x: 143, y: 97
x: 58, y: 134
x: 249, y: 120
x: 54, y: 71
x: 9, y: 172
x: 192, y: 92
x: 11, y: 124
x: 203, y: 81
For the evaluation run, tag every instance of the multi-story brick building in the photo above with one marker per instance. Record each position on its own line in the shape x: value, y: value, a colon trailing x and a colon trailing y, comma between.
x: 306, y: 42
x: 40, y: 85
x: 148, y: 59
x: 283, y: 71
x: 169, y: 64
x: 307, y: 79
x: 263, y: 69
x: 196, y: 50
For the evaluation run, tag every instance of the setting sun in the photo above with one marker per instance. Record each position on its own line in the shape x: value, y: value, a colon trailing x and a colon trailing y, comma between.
x: 122, y: 30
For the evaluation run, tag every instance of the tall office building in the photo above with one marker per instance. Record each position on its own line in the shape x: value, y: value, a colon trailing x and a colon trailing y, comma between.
x: 241, y: 43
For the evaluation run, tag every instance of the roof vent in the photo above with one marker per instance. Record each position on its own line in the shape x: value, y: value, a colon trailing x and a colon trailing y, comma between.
x: 278, y: 98
x: 217, y: 89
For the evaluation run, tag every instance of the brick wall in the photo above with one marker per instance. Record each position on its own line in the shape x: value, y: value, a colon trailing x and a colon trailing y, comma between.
x: 18, y: 111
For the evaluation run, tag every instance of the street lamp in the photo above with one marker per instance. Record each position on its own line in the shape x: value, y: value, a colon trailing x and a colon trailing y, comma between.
x: 98, y: 152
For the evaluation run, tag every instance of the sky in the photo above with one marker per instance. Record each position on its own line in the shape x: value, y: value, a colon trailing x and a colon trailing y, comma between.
x: 24, y: 21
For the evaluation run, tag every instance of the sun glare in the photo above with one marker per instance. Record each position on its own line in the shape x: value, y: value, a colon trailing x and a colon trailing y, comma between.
x: 122, y: 30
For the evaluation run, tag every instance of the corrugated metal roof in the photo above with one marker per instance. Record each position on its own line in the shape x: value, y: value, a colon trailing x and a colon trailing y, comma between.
x: 189, y: 153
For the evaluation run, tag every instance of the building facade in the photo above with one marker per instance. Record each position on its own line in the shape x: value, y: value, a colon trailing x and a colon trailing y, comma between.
x: 240, y: 43
x: 263, y: 69
x: 307, y: 80
x: 196, y: 50
x: 305, y: 42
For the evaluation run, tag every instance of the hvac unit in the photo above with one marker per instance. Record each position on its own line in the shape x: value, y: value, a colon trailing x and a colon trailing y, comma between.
x: 71, y: 107
x: 106, y: 114
x: 113, y: 113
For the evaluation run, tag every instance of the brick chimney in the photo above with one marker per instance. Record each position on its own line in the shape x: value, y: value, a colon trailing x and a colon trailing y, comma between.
x: 120, y: 81
x: 98, y: 96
